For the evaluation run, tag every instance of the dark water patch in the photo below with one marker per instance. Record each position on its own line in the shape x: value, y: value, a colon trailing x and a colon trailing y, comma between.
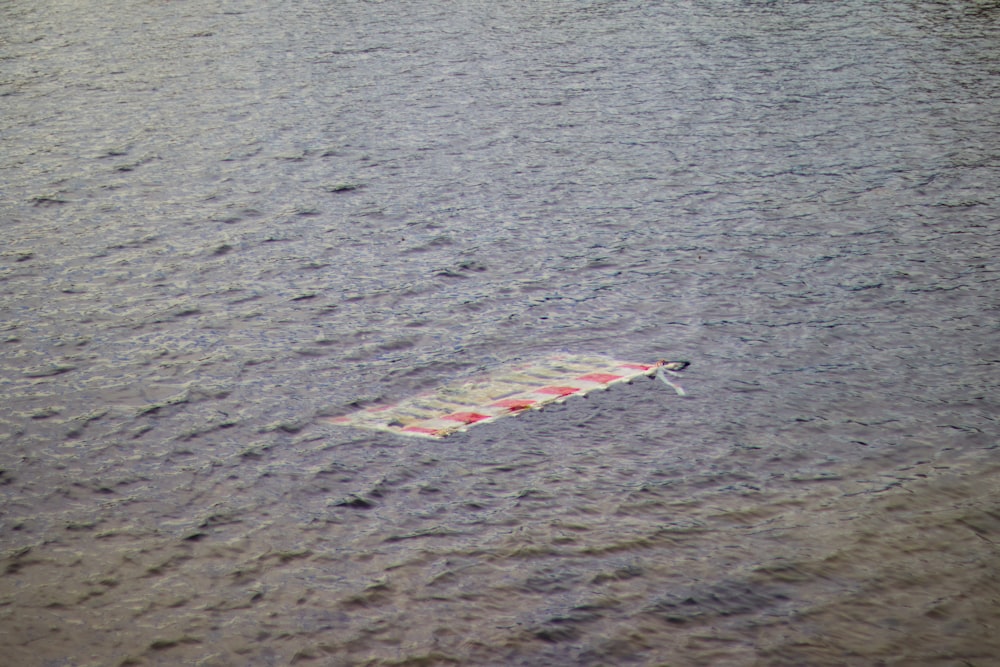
x: 725, y: 599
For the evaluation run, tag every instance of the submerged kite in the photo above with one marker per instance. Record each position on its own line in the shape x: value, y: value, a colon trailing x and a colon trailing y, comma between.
x: 508, y: 391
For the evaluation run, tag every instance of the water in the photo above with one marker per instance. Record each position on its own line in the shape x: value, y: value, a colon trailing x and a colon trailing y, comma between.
x: 223, y: 221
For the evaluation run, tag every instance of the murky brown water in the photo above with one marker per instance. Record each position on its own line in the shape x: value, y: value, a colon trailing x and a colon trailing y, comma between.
x: 224, y: 220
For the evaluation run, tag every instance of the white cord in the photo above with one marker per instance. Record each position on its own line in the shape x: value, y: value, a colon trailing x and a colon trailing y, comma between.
x: 661, y: 373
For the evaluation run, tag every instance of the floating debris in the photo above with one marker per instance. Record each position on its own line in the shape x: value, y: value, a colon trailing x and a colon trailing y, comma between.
x: 506, y: 392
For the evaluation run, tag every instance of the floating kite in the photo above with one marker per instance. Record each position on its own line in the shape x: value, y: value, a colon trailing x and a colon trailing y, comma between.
x: 507, y: 392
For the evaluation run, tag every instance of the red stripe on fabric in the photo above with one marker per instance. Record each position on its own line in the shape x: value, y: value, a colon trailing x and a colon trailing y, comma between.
x: 558, y: 391
x: 603, y: 378
x: 341, y: 420
x: 466, y: 417
x: 514, y: 403
x: 421, y: 429
x: 638, y: 367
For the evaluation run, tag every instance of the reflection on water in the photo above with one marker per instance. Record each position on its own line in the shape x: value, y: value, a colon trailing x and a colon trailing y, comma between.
x: 224, y: 221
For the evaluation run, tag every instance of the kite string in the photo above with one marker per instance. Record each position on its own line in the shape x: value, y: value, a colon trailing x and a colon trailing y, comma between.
x: 661, y: 373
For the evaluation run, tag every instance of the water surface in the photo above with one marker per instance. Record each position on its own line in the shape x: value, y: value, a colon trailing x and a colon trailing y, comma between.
x: 224, y: 221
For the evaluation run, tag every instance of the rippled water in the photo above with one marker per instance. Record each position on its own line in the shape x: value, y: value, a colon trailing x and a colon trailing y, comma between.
x: 223, y: 221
